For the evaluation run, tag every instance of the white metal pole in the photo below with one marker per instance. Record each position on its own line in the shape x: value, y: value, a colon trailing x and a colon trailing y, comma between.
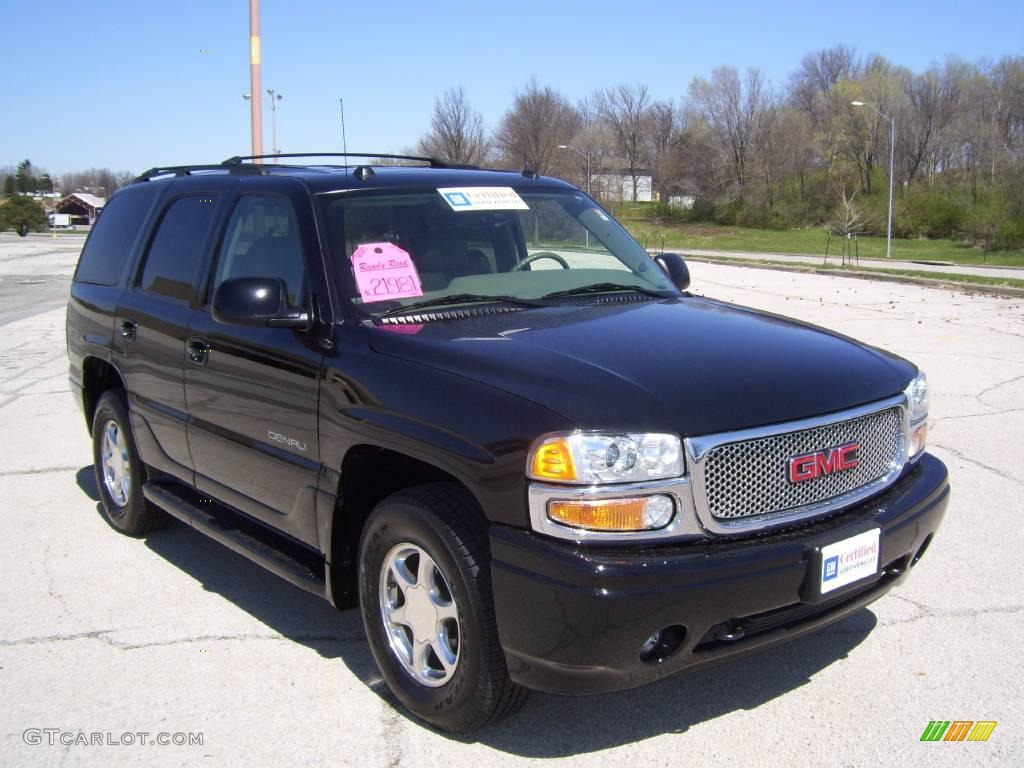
x: 892, y: 165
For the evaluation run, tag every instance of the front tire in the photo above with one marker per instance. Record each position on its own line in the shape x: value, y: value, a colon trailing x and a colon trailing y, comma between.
x: 425, y: 597
x: 119, y: 470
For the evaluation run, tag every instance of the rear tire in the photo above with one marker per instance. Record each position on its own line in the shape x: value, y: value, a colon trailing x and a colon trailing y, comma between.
x: 426, y: 550
x: 120, y: 472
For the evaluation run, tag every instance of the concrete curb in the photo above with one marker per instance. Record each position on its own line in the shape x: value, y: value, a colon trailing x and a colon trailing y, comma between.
x: 927, y: 282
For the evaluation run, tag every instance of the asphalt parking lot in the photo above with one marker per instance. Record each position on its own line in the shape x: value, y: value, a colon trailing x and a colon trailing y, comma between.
x: 175, y: 634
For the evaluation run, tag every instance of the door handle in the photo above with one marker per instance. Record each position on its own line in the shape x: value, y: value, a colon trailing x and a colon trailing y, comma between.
x: 128, y: 328
x: 198, y: 350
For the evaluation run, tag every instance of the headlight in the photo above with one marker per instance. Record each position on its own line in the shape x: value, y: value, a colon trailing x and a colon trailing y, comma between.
x: 917, y: 404
x: 917, y: 398
x: 589, y: 458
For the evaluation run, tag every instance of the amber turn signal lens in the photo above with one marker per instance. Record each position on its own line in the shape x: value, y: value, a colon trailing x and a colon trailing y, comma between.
x: 553, y: 461
x: 611, y: 515
x: 919, y: 439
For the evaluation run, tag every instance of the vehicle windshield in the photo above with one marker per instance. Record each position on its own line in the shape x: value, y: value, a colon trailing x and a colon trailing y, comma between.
x: 474, y: 244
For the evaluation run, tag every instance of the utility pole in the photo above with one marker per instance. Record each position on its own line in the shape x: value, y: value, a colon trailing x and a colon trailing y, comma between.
x: 256, y: 105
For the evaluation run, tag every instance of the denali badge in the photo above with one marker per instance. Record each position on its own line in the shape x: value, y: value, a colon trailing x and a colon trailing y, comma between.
x: 808, y: 466
x: 291, y: 442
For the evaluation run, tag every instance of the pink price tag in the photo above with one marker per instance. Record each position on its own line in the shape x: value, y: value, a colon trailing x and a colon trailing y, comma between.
x: 384, y: 271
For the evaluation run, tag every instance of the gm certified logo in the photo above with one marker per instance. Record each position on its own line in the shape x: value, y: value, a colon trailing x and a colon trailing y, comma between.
x: 828, y: 461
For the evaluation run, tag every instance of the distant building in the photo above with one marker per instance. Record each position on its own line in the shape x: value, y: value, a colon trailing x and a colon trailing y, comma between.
x: 682, y: 200
x: 682, y: 194
x: 82, y: 207
x: 613, y: 182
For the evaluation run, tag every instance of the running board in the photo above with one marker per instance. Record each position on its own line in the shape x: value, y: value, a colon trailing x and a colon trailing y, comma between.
x: 233, y: 538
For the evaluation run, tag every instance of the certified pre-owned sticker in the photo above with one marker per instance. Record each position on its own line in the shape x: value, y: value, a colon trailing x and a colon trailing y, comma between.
x: 483, y: 199
x: 848, y: 560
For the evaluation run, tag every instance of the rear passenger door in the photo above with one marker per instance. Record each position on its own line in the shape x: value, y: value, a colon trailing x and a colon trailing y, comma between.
x: 151, y: 325
x: 252, y: 397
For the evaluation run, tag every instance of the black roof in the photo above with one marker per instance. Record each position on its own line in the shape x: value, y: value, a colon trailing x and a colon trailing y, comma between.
x: 351, y: 175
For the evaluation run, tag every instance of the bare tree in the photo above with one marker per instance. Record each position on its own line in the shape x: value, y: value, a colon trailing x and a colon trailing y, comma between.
x: 539, y: 120
x: 667, y: 125
x: 811, y: 86
x: 96, y: 181
x: 733, y: 108
x: 625, y: 110
x: 456, y: 132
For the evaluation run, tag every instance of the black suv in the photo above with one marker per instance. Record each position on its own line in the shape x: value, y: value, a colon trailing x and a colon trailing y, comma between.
x: 470, y: 404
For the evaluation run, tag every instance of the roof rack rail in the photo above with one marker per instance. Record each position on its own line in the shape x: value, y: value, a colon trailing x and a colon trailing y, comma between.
x: 186, y: 170
x: 433, y: 162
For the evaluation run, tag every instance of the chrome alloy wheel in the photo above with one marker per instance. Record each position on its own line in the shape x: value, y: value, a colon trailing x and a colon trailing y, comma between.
x: 117, y: 472
x: 420, y: 615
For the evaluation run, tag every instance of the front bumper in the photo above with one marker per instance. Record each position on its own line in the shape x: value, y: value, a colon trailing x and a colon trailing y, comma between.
x: 573, y: 619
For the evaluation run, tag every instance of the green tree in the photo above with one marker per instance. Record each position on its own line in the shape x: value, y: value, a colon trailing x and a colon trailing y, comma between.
x: 10, y: 186
x: 26, y: 182
x: 23, y: 215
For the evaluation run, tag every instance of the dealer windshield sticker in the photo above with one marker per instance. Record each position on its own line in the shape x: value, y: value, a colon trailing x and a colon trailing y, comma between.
x: 384, y: 271
x: 483, y: 199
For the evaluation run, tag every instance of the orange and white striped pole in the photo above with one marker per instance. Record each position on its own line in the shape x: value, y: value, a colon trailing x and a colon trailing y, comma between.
x: 256, y: 102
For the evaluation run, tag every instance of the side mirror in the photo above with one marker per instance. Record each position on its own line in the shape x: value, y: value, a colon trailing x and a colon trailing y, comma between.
x: 256, y: 301
x: 675, y: 267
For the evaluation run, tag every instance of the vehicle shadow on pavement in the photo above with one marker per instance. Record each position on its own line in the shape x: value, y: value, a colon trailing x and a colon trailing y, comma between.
x: 86, y: 480
x: 548, y: 726
x: 557, y: 726
x: 285, y: 609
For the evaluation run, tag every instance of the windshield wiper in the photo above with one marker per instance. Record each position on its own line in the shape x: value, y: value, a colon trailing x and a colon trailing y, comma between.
x: 584, y: 290
x: 464, y: 298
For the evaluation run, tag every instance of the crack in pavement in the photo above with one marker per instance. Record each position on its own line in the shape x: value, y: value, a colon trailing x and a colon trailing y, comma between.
x: 928, y: 614
x: 977, y: 415
x: 42, y: 471
x: 985, y: 391
x: 103, y: 635
x: 975, y: 462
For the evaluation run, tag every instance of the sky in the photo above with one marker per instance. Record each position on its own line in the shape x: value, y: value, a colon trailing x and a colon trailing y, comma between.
x: 129, y: 84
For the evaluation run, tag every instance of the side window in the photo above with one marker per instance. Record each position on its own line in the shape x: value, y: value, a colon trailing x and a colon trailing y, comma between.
x: 262, y: 240
x: 110, y: 243
x: 172, y: 262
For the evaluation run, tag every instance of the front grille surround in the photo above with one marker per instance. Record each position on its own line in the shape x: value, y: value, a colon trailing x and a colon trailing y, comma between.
x: 754, y: 461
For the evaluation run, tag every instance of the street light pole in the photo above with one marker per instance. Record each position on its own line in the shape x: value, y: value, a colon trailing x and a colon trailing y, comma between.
x: 892, y: 166
x: 274, y: 98
x: 584, y: 156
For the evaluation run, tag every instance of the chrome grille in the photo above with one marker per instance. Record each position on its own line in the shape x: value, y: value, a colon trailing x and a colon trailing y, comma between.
x: 749, y: 478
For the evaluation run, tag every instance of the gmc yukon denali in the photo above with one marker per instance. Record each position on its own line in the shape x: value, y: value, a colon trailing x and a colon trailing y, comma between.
x: 470, y: 405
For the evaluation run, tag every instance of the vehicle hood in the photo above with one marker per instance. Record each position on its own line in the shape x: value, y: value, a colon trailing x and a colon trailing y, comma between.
x: 690, y: 365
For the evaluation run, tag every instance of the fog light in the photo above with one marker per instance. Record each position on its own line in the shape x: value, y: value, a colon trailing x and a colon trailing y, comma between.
x: 650, y: 644
x: 644, y: 513
x: 660, y: 646
x: 659, y: 512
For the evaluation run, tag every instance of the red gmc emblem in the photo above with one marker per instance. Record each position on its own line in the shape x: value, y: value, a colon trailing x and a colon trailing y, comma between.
x: 808, y: 466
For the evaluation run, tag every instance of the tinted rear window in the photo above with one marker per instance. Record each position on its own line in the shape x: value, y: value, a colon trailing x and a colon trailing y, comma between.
x: 110, y: 244
x: 172, y: 263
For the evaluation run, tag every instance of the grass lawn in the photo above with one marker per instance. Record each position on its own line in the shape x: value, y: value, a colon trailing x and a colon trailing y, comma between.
x: 807, y: 241
x: 948, y: 277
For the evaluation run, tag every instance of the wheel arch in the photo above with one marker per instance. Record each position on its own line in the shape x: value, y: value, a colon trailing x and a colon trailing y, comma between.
x: 369, y: 474
x: 98, y: 376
